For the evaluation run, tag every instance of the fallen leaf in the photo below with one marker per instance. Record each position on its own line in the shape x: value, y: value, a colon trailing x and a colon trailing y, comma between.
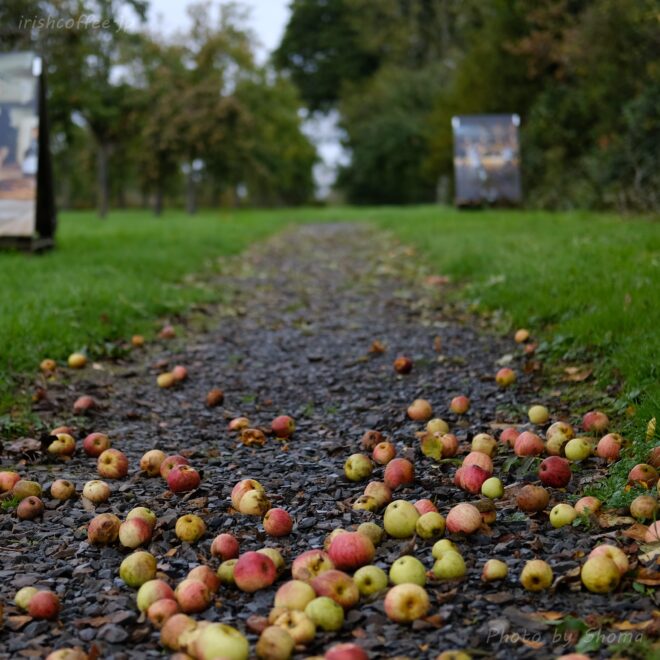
x: 532, y: 644
x: 606, y: 519
x: 577, y: 374
x: 636, y: 531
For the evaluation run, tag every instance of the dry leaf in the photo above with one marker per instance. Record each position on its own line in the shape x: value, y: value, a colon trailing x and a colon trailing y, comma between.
x: 606, y: 519
x: 636, y: 531
x: 577, y: 374
x: 532, y: 644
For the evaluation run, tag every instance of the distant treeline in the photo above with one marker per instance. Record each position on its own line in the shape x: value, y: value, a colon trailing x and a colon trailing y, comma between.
x: 139, y: 119
x: 583, y: 74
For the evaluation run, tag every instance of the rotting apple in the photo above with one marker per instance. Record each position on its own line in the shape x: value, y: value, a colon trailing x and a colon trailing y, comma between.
x: 30, y: 508
x: 243, y: 487
x: 214, y: 397
x: 370, y: 439
x: 337, y: 585
x: 643, y: 475
x: 431, y: 445
x: 536, y: 575
x: 531, y: 499
x: 403, y: 364
x: 25, y: 488
x: 379, y: 491
x: 383, y: 453
x: 103, y: 529
x: 366, y: 503
x: 560, y: 428
x: 358, y: 467
x: 644, y: 507
x: 47, y: 366
x: 310, y: 564
x: 44, y: 605
x: 62, y: 444
x: 151, y: 462
x: 372, y: 531
x: 62, y: 489
x: 275, y: 643
x: 254, y: 503
x: 238, y: 424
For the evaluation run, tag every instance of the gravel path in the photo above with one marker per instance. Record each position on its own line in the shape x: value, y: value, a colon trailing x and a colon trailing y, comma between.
x: 294, y: 337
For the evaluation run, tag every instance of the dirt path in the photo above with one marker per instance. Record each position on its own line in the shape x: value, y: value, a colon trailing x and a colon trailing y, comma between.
x: 294, y: 338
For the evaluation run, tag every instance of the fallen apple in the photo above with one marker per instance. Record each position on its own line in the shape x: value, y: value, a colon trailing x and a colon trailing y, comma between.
x: 521, y: 336
x: 425, y: 506
x: 337, y: 585
x: 471, y: 478
x: 494, y: 569
x: 254, y: 571
x: 484, y: 443
x: 30, y: 508
x: 190, y: 528
x: 47, y: 366
x: 437, y: 425
x: 536, y: 575
x: 403, y: 365
x: 399, y: 472
x: 442, y: 546
x: 350, y: 550
x: 405, y: 603
x: 225, y: 571
x: 430, y: 525
x: 138, y: 568
x: 562, y: 429
x: 103, y: 529
x: 492, y: 488
x: 95, y: 444
x: 8, y: 479
x: 538, y: 415
x: 283, y: 426
x: 254, y: 503
x: 276, y: 557
x: 24, y: 596
x: 238, y: 424
x: 480, y: 460
x: 310, y: 564
x: 562, y: 514
x: 151, y: 462
x: 358, y: 467
x: 294, y: 595
x: 420, y: 410
x: 325, y: 613
x: 214, y: 397
x: 170, y: 462
x: 460, y: 405
x: 346, y: 652
x: 44, y: 605
x: 372, y: 531
x: 505, y: 377
x: 192, y: 596
x: 24, y: 488
x: 463, y: 518
x: 555, y: 471
x: 600, y: 574
x: 83, y: 404
x: 179, y: 373
x: 278, y: 522
x: 370, y: 439
x: 62, y: 444
x: 578, y: 449
x: 431, y: 445
x: 218, y: 640
x: 134, y: 533
x: 528, y: 444
x: 379, y: 491
x: 383, y: 453
x: 152, y: 591
x: 275, y: 643
x: 509, y: 435
x: 143, y: 513
x: 586, y: 505
x: 299, y: 626
x: 370, y: 580
x: 609, y: 447
x: 183, y: 479
x: 76, y: 360
x: 206, y: 575
x: 449, y: 566
x: 617, y: 555
x: 166, y: 380
x: 112, y: 464
x: 62, y: 489
x: 160, y: 611
x: 643, y: 475
x: 243, y: 487
x: 366, y: 503
x: 531, y: 499
x: 408, y: 569
x: 644, y: 507
x: 400, y: 519
x: 595, y: 421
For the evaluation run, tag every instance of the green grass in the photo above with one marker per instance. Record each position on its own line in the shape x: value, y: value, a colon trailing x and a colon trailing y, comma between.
x: 585, y: 284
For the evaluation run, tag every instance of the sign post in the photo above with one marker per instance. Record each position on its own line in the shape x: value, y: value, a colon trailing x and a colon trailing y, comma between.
x: 486, y: 160
x: 27, y: 206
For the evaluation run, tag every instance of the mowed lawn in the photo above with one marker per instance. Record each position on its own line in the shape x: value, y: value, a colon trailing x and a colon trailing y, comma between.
x: 587, y: 285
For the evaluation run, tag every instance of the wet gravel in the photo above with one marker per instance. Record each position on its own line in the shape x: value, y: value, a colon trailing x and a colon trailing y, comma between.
x: 293, y: 336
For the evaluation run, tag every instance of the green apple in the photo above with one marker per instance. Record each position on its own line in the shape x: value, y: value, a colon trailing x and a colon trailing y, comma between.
x: 578, y: 449
x: 408, y: 569
x: 492, y: 488
x: 450, y: 565
x: 562, y: 514
x: 538, y: 414
x: 430, y: 525
x: 225, y: 571
x: 442, y: 546
x: 536, y: 575
x: 325, y: 613
x: 358, y: 467
x: 220, y: 640
x: 372, y: 531
x: 370, y: 580
x: 400, y: 519
x: 494, y: 569
x: 600, y: 574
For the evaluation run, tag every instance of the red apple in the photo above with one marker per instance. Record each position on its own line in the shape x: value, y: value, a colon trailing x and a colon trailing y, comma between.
x: 595, y: 421
x: 383, y: 453
x: 241, y: 488
x: 95, y: 444
x: 505, y: 377
x: 167, y: 332
x: 30, y: 508
x: 225, y: 546
x: 528, y: 444
x: 459, y: 405
x: 346, y: 652
x: 609, y: 447
x: 151, y: 592
x: 555, y: 471
x: 350, y: 550
x: 479, y: 459
x: 337, y: 585
x: 182, y: 479
x: 254, y: 571
x: 643, y: 474
x: 175, y: 628
x: 170, y: 462
x: 215, y: 397
x: 587, y: 504
x: 134, y: 532
x: 8, y: 479
x: 283, y: 426
x: 654, y: 457
x: 463, y: 518
x: 83, y: 404
x: 425, y: 506
x: 254, y: 503
x: 472, y: 478
x: 192, y: 596
x: 403, y: 365
x: 509, y: 435
x: 420, y: 410
x: 44, y: 605
x: 112, y: 464
x: 449, y: 445
x: 160, y: 611
x: 278, y: 522
x: 179, y: 373
x: 399, y: 472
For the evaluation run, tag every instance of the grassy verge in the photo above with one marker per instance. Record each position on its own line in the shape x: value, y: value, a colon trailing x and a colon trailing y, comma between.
x: 586, y: 284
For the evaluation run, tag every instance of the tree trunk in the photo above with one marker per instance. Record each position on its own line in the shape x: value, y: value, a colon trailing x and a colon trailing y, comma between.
x: 103, y: 182
x: 191, y: 197
x: 158, y: 202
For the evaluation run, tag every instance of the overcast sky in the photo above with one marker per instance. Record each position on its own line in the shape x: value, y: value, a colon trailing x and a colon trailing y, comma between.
x: 268, y: 18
